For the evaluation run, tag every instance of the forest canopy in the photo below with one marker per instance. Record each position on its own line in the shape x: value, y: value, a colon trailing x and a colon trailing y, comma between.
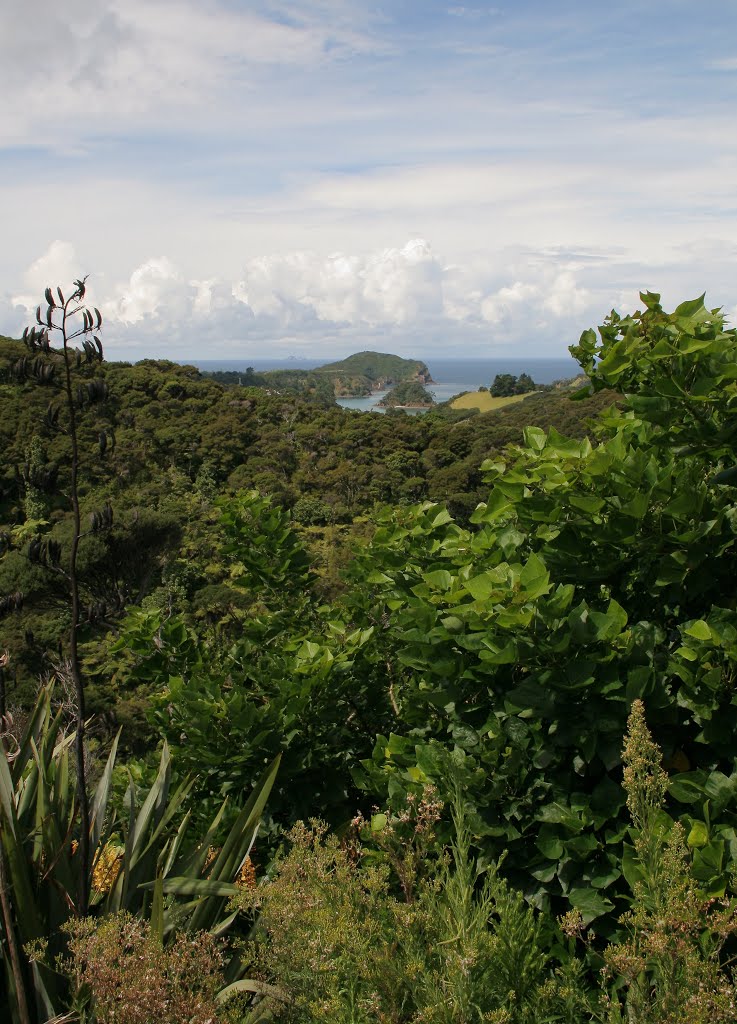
x: 408, y: 395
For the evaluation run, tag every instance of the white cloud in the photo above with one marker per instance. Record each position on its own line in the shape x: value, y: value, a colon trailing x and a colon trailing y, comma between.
x: 159, y: 62
x: 548, y: 290
x: 156, y: 288
x: 233, y: 172
x: 443, y: 186
x: 508, y: 301
x: 406, y: 297
x: 403, y: 285
x: 394, y: 286
x: 58, y: 263
x: 565, y: 298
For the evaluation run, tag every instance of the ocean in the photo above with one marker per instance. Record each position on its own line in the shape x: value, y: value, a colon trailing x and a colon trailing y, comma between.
x: 451, y: 376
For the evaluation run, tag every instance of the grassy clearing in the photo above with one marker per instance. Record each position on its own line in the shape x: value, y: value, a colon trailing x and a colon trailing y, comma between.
x: 484, y: 401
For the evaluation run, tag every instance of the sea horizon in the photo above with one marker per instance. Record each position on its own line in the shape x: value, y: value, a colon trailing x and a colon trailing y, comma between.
x: 472, y: 373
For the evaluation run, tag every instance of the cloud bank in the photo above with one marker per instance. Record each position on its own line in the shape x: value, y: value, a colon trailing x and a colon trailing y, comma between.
x: 331, y: 304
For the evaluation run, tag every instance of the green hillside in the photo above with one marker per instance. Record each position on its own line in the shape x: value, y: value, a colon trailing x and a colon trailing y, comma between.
x: 182, y: 437
x: 358, y: 375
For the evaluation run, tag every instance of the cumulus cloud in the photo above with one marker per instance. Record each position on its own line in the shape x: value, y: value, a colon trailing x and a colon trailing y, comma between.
x: 565, y: 298
x: 508, y: 301
x: 405, y: 298
x: 552, y: 291
x: 57, y: 265
x: 238, y: 174
x: 407, y: 292
x: 154, y: 289
x: 393, y: 286
x: 402, y: 285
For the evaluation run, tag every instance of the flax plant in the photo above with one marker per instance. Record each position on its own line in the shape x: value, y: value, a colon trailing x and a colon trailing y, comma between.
x: 68, y: 321
x: 157, y: 871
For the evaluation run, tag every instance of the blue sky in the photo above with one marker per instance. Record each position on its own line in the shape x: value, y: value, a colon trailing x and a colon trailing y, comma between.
x: 247, y: 179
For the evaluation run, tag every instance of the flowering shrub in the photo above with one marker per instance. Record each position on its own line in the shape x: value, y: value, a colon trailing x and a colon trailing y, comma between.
x: 387, y: 930
x: 669, y: 968
x: 129, y: 978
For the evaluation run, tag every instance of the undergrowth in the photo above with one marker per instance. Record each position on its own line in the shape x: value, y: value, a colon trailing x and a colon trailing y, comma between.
x: 382, y: 926
x: 387, y: 931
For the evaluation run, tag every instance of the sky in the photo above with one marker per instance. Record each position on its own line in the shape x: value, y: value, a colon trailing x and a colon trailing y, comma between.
x: 246, y: 179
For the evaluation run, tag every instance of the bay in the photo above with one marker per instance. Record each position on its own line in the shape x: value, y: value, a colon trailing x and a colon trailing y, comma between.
x: 451, y: 376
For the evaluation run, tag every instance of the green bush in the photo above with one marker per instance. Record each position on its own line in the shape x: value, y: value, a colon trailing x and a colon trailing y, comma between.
x: 312, y: 512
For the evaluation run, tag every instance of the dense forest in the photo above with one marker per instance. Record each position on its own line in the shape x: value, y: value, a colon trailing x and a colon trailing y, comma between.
x: 372, y: 718
x: 168, y: 442
x: 407, y: 395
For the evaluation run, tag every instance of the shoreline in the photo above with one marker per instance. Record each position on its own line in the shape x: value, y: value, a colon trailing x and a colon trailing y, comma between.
x: 426, y: 407
x: 383, y: 390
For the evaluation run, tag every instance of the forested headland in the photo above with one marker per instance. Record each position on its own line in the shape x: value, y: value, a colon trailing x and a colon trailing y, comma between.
x: 392, y: 718
x: 358, y: 375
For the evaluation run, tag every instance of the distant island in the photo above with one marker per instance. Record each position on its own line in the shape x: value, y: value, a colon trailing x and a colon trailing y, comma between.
x: 410, y: 394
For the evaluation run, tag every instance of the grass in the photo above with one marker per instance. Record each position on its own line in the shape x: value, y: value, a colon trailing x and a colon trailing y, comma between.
x: 484, y: 401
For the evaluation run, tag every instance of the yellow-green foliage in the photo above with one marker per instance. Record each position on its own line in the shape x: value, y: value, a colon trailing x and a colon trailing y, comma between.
x: 338, y: 940
x: 484, y: 401
x: 670, y: 965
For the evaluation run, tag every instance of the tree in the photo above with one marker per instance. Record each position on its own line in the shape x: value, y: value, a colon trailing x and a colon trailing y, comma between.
x: 506, y: 384
x: 69, y: 320
x: 409, y: 393
x: 595, y: 573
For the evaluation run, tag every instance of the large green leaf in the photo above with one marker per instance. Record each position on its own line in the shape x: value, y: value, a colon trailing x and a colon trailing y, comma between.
x: 182, y: 886
x: 690, y: 307
x: 590, y: 902
x: 236, y: 847
x: 98, y: 806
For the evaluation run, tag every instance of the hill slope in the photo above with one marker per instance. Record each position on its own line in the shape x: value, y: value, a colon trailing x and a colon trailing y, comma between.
x: 410, y: 394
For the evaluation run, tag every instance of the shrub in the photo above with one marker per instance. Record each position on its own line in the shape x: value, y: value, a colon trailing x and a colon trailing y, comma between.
x: 157, y: 874
x: 668, y: 968
x: 312, y: 511
x: 450, y: 944
x: 122, y: 971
